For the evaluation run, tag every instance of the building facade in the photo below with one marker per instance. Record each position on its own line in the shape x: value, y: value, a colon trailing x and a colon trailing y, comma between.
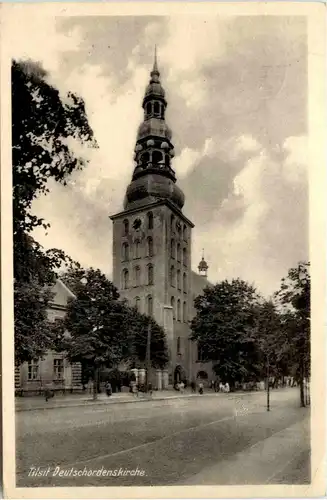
x: 152, y: 240
x: 52, y: 370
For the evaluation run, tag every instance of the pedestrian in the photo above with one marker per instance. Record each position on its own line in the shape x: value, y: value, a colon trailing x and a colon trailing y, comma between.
x: 181, y: 387
x: 227, y: 389
x: 221, y: 387
x: 193, y: 387
x: 201, y: 388
x: 108, y: 389
x: 150, y: 388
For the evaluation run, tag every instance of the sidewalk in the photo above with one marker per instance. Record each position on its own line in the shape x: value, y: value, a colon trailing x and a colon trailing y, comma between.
x: 39, y: 403
x: 266, y: 462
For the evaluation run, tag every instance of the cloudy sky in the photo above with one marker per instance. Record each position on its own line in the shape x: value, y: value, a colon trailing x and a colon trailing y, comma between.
x: 237, y: 95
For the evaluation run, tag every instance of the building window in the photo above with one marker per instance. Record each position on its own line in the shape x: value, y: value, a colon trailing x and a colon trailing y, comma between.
x: 184, y: 283
x: 137, y: 276
x: 150, y: 247
x: 150, y: 274
x: 156, y: 108
x: 150, y: 305
x: 178, y: 345
x: 125, y: 252
x: 184, y: 312
x: 172, y: 249
x: 149, y: 108
x: 58, y: 368
x: 201, y: 356
x: 126, y: 227
x: 184, y: 233
x: 178, y: 279
x: 172, y: 303
x: 184, y: 257
x: 125, y: 279
x: 33, y: 369
x: 138, y: 304
x: 137, y: 249
x: 178, y: 310
x: 179, y: 255
x: 172, y: 276
x: 157, y: 157
x: 150, y: 220
x: 172, y: 223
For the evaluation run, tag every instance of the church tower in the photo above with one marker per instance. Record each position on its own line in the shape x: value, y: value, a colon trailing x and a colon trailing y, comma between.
x: 152, y: 236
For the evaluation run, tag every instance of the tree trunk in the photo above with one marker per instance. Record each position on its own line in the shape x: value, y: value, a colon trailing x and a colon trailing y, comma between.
x: 302, y: 385
x: 95, y: 382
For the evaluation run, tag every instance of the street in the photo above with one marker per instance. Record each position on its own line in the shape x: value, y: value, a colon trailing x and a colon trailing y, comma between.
x: 214, y: 439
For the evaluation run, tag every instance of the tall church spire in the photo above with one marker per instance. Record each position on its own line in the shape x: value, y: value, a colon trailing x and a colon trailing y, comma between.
x: 154, y: 149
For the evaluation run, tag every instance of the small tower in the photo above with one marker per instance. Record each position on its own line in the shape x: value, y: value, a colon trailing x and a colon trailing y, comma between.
x: 203, y: 267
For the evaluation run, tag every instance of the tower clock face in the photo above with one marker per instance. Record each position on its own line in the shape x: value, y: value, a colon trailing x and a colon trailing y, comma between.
x: 137, y: 224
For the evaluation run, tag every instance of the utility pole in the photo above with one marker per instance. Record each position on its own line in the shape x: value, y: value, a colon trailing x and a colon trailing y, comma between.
x: 148, y: 357
x: 268, y: 391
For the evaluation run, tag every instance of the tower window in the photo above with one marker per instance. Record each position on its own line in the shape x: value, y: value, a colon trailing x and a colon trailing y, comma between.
x: 172, y: 303
x: 150, y: 220
x: 167, y: 160
x: 150, y: 305
x: 157, y: 157
x: 178, y: 310
x: 150, y: 274
x: 179, y: 252
x: 172, y: 276
x: 125, y: 252
x: 184, y: 283
x: 138, y: 304
x: 156, y: 108
x: 178, y: 279
x: 150, y: 246
x: 125, y: 279
x: 178, y: 345
x: 126, y: 227
x: 172, y: 249
x: 172, y: 223
x: 184, y: 256
x: 184, y: 312
x: 137, y: 275
x: 149, y: 108
x: 145, y: 158
x: 137, y: 249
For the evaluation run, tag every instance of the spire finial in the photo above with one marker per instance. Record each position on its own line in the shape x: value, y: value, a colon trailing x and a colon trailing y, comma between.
x: 202, y: 253
x: 155, y: 71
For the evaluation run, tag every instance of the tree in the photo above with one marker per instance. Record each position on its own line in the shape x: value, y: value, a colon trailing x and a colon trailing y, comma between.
x: 43, y: 126
x: 225, y: 314
x: 294, y: 298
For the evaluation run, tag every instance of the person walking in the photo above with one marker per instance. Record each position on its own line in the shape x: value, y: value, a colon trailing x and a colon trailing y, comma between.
x: 108, y: 389
x: 201, y: 388
x: 182, y: 387
x: 227, y: 388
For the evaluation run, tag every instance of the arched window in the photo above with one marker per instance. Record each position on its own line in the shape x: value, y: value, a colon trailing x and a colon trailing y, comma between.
x: 172, y: 276
x: 138, y: 304
x: 125, y: 279
x: 184, y: 312
x: 149, y: 305
x: 126, y: 227
x: 178, y: 345
x: 150, y: 274
x: 184, y: 233
x: 150, y: 220
x: 157, y: 157
x: 150, y: 246
x: 156, y: 108
x: 125, y: 252
x: 172, y: 303
x: 184, y: 283
x: 137, y: 249
x: 149, y: 108
x: 172, y: 223
x: 178, y: 279
x: 145, y: 158
x: 137, y: 276
x: 184, y: 257
x: 179, y: 252
x: 178, y: 310
x: 172, y: 249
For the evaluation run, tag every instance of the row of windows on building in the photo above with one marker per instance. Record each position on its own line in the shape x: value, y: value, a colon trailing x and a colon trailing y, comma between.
x: 176, y: 251
x: 177, y: 279
x: 33, y: 372
x: 136, y: 279
x: 179, y: 307
x: 175, y: 226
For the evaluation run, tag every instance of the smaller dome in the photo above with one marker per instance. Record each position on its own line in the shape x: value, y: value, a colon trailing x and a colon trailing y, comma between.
x: 164, y: 145
x: 150, y: 142
x: 203, y: 266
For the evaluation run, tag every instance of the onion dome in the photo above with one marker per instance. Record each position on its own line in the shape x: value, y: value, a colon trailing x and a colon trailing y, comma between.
x: 203, y: 267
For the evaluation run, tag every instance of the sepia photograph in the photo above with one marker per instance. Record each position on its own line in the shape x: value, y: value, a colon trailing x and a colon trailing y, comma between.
x: 159, y: 226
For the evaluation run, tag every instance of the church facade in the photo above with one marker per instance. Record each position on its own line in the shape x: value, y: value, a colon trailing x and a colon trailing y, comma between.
x: 152, y: 240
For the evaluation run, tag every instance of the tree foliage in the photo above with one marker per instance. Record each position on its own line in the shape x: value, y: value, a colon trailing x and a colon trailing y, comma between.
x: 43, y: 125
x: 225, y: 316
